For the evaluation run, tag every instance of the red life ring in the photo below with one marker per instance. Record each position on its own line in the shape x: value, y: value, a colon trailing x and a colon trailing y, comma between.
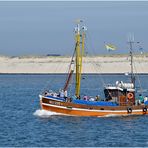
x: 130, y: 95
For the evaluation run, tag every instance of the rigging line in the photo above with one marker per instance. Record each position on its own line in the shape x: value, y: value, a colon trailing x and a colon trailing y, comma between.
x: 90, y: 88
x: 100, y: 76
x: 71, y: 86
x: 136, y: 75
x: 91, y: 85
x: 91, y: 44
x: 47, y: 84
x: 140, y: 63
x: 141, y: 89
x: 53, y: 80
x: 95, y: 67
x: 99, y: 69
x: 72, y: 59
x: 72, y: 80
x: 86, y: 58
x: 57, y: 67
x: 60, y: 67
x: 90, y: 62
x: 70, y: 89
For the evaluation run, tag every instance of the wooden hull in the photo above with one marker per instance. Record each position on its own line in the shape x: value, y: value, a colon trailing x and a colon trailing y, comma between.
x: 83, y: 110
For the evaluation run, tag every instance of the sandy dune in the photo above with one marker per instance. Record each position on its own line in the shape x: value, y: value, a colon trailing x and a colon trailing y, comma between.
x: 96, y: 64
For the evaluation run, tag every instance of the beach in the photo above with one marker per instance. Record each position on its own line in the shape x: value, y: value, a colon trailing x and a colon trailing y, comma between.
x: 91, y: 64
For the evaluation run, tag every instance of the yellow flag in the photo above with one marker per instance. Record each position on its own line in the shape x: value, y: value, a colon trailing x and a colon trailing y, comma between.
x: 110, y: 47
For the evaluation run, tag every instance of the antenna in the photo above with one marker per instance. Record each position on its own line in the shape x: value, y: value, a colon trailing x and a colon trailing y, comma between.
x: 131, y: 42
x: 130, y: 37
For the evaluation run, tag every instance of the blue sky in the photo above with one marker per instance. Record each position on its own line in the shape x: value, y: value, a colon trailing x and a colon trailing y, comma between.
x: 40, y: 28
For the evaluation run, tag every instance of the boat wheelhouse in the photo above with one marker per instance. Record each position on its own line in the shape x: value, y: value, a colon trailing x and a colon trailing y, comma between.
x: 122, y: 93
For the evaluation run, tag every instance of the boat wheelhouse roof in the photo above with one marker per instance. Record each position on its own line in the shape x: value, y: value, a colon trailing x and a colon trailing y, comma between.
x: 119, y: 88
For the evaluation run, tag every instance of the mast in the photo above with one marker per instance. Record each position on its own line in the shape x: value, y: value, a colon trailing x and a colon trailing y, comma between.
x: 131, y: 42
x: 70, y: 71
x: 80, y: 39
x: 68, y: 80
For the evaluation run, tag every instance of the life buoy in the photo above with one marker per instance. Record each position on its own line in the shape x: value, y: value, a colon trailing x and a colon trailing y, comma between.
x: 129, y: 110
x: 144, y: 109
x: 130, y: 95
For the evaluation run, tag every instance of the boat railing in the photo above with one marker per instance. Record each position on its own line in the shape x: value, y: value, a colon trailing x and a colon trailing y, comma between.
x: 50, y: 93
x: 110, y: 85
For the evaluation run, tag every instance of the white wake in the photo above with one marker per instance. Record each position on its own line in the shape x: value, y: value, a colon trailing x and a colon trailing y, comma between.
x: 44, y: 114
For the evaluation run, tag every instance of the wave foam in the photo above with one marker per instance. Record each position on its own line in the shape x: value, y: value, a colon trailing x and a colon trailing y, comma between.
x: 115, y: 115
x: 44, y: 114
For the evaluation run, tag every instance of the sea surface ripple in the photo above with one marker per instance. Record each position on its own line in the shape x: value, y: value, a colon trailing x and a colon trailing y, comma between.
x: 24, y: 124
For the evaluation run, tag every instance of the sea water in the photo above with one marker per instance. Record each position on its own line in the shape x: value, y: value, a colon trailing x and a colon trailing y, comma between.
x: 24, y: 124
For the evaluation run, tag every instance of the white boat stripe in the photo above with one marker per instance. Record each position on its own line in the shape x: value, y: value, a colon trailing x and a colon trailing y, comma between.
x: 63, y: 107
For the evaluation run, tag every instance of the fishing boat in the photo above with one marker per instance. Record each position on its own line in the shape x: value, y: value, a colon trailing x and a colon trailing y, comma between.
x: 120, y: 99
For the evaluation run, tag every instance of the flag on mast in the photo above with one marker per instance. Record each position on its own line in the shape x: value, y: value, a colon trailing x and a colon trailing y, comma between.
x: 110, y: 47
